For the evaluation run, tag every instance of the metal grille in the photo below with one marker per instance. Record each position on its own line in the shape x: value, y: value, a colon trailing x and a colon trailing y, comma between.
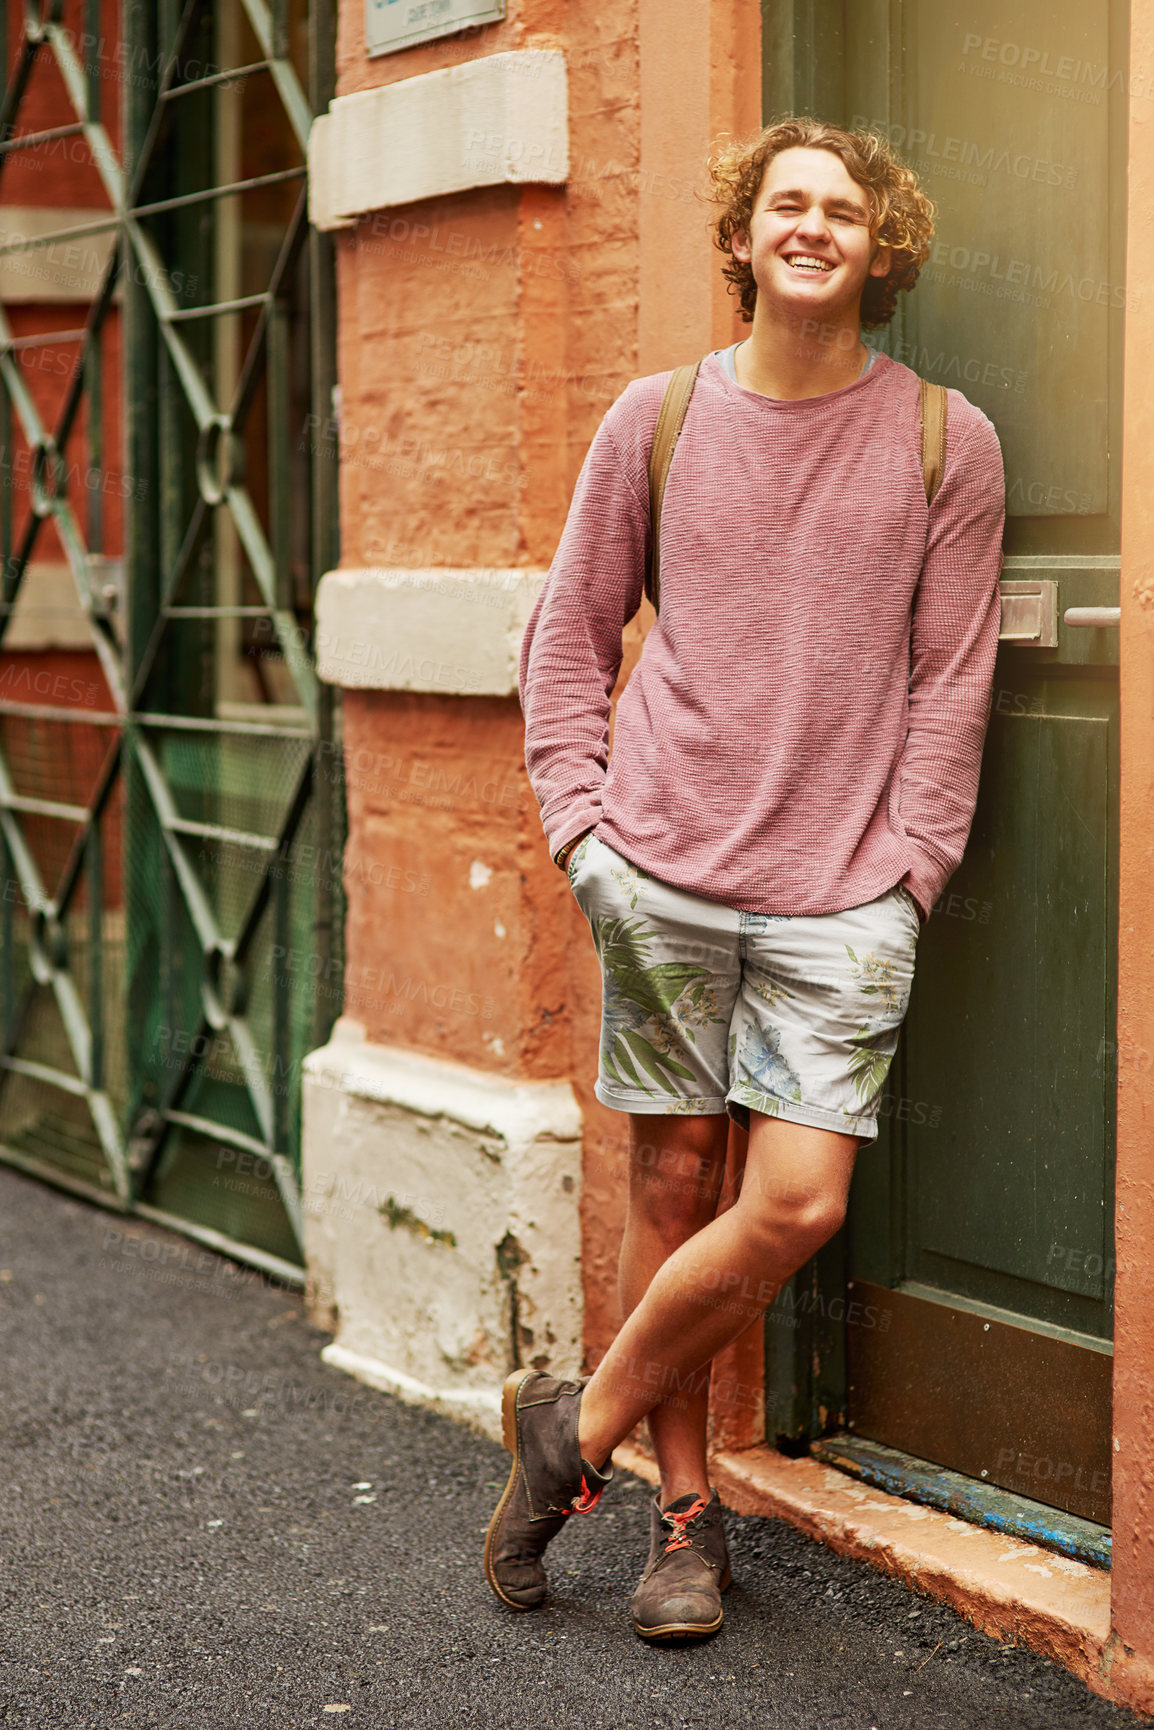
x: 171, y: 815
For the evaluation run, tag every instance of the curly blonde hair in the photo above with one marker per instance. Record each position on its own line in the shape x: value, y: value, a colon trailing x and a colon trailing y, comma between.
x: 901, y: 216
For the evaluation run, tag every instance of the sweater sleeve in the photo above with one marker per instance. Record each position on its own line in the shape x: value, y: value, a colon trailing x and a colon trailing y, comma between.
x: 571, y: 651
x: 954, y: 642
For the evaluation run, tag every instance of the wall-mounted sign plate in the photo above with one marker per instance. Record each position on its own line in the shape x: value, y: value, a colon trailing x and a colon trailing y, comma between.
x: 394, y: 24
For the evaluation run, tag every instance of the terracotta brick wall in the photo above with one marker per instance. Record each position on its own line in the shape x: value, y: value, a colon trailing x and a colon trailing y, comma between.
x: 482, y: 337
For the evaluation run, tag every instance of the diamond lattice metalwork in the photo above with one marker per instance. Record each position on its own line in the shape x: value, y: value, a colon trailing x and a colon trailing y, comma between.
x: 164, y: 918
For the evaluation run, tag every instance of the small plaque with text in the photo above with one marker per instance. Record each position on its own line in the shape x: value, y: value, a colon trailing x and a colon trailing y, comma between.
x: 394, y: 24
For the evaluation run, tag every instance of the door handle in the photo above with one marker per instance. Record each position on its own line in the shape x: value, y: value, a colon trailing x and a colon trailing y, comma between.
x: 1091, y: 618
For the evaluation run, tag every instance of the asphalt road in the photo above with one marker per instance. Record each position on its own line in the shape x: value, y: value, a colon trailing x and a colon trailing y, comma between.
x: 203, y: 1526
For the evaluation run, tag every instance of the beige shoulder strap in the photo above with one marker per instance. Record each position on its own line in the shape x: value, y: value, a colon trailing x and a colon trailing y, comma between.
x: 670, y: 418
x: 934, y: 403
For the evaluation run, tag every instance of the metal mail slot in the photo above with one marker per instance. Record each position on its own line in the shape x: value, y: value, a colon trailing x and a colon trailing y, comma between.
x: 1030, y: 613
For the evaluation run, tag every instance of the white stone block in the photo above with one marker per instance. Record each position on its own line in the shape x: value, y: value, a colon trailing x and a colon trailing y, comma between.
x: 500, y: 119
x: 48, y: 613
x: 452, y: 631
x: 68, y: 269
x: 442, y: 1222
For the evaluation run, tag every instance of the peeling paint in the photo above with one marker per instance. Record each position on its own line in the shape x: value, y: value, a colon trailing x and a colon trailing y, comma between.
x: 397, y: 1215
x: 397, y: 1145
x: 510, y: 1257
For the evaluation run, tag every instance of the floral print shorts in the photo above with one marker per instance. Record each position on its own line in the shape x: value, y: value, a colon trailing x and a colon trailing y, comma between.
x: 708, y: 1010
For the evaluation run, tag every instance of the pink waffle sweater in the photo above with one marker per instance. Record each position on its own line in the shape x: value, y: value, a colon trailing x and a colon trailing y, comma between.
x: 804, y: 728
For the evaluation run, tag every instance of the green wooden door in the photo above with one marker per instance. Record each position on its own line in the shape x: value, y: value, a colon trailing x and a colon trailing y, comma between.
x: 975, y: 1271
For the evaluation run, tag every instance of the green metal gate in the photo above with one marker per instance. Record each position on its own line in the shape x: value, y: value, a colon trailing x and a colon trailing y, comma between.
x: 171, y: 824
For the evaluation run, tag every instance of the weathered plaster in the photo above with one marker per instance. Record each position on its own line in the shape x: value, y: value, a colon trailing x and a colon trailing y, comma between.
x: 67, y: 269
x: 441, y: 1221
x: 482, y: 336
x: 434, y: 786
x: 430, y: 410
x: 424, y: 630
x: 527, y: 24
x: 47, y: 613
x: 709, y: 54
x: 500, y: 119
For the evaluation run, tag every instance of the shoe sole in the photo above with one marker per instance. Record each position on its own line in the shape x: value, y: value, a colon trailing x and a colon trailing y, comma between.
x: 686, y: 1630
x: 510, y: 1438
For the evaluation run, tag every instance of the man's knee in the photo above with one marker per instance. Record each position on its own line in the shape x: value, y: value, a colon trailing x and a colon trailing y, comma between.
x: 807, y: 1218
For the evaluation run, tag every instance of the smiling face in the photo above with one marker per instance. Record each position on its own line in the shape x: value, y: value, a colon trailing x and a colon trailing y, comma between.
x: 809, y: 242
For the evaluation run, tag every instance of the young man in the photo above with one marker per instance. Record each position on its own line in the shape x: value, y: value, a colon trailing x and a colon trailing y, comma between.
x: 793, y: 777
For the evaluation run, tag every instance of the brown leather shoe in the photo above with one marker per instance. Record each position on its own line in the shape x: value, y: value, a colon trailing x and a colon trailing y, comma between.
x: 548, y: 1481
x: 679, y: 1597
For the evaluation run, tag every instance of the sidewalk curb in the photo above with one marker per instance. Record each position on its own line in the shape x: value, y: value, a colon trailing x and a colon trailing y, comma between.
x: 1006, y: 1588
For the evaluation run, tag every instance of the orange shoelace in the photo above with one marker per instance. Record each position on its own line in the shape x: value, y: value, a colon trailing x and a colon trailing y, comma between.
x: 678, y: 1539
x: 585, y: 1500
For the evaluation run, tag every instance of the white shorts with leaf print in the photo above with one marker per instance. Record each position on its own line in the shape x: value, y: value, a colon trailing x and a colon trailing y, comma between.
x: 708, y: 1010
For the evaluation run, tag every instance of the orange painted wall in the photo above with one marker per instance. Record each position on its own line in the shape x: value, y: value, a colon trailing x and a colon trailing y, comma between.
x: 482, y: 337
x: 459, y: 934
x: 1131, y: 1653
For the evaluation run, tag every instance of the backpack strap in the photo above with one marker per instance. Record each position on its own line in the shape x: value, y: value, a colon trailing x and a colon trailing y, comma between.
x: 670, y: 418
x: 933, y: 406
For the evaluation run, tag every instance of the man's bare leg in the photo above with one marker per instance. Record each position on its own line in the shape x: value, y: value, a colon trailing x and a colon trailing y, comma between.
x: 709, y: 1290
x: 675, y: 1174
